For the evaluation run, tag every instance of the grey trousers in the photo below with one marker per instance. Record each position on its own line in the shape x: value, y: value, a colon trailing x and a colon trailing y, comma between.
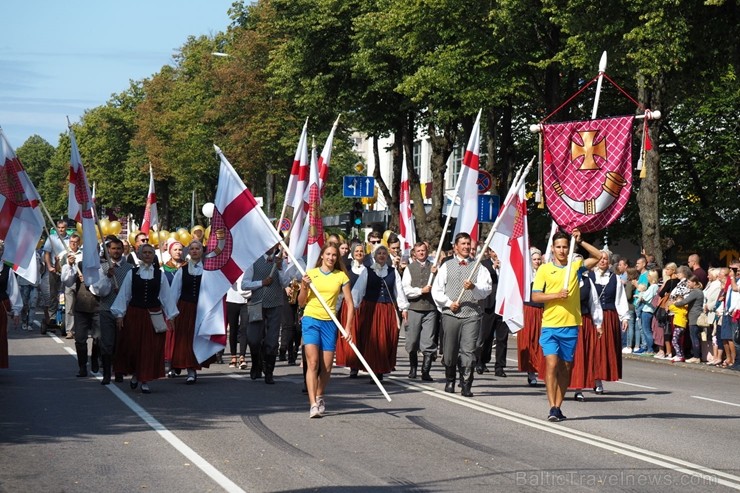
x: 266, y: 332
x: 86, y: 324
x: 107, y: 339
x: 420, y: 332
x: 460, y: 338
x: 70, y: 295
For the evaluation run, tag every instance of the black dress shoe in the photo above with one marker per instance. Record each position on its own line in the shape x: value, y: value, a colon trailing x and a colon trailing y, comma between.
x: 118, y: 378
x: 479, y: 369
x: 500, y: 373
x: 82, y: 373
x: 190, y: 380
x: 133, y: 384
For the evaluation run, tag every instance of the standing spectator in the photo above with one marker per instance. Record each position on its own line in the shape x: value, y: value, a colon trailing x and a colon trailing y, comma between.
x: 693, y: 300
x: 696, y: 269
x: 460, y: 319
x: 662, y: 328
x: 729, y: 307
x: 631, y: 338
x: 711, y: 303
x: 644, y: 297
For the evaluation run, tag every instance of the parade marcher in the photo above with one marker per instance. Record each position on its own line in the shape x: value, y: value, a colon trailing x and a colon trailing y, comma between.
x: 86, y: 313
x: 529, y: 351
x: 176, y: 260
x: 115, y: 270
x: 613, y: 300
x: 185, y: 290
x: 290, y: 328
x: 492, y: 327
x: 70, y: 293
x: 266, y: 279
x: 30, y: 294
x: 319, y: 331
x: 561, y: 316
x: 460, y: 319
x: 582, y: 371
x: 143, y: 298
x: 54, y: 249
x: 380, y: 328
x: 345, y: 356
x: 12, y: 304
x: 237, y: 318
x: 422, y: 315
x: 133, y: 258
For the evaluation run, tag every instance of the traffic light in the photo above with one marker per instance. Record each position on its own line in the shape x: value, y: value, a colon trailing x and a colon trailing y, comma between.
x: 355, y: 215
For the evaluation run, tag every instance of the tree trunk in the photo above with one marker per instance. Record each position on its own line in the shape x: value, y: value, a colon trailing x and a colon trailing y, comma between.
x: 647, y: 196
x: 441, y: 147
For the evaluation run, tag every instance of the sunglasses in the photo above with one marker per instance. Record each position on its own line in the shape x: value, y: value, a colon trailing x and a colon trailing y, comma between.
x: 375, y: 242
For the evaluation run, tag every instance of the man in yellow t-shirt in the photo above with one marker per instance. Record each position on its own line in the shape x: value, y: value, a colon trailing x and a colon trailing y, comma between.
x: 562, y: 315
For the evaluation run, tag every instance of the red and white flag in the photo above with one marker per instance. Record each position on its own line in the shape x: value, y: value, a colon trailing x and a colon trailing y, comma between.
x: 151, y: 218
x: 314, y: 225
x: 467, y: 216
x: 21, y: 222
x: 293, y: 179
x: 587, y: 171
x: 325, y: 158
x: 299, y: 203
x: 80, y: 208
x: 406, y: 223
x: 237, y: 220
x: 511, y: 244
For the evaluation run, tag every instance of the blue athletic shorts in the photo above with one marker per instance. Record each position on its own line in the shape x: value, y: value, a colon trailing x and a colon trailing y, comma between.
x: 559, y: 340
x: 321, y: 333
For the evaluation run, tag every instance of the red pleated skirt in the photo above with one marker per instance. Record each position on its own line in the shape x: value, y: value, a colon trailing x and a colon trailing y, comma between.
x: 183, y: 336
x: 582, y: 374
x: 344, y: 354
x: 379, y: 336
x: 658, y: 333
x: 607, y: 354
x: 139, y: 350
x: 4, y: 311
x: 528, y: 340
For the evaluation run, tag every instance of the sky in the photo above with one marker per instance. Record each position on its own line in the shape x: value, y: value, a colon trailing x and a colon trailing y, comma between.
x: 59, y: 58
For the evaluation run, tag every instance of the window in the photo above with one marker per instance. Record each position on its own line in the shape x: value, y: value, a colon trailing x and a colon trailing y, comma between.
x: 456, y: 160
x: 416, y: 158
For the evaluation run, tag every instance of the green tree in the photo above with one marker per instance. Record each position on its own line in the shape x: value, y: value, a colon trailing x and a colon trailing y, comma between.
x: 35, y: 154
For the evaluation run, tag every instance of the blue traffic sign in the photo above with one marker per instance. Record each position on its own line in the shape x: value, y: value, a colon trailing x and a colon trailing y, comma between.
x: 488, y: 206
x: 359, y: 186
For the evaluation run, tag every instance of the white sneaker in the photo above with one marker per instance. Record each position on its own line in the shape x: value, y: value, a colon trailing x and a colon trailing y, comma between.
x: 314, y: 412
x: 321, y: 405
x: 693, y: 360
x: 626, y: 350
x: 659, y: 355
x: 668, y: 356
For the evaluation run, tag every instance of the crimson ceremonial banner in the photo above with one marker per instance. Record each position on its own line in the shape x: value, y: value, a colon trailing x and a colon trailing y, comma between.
x: 587, y: 171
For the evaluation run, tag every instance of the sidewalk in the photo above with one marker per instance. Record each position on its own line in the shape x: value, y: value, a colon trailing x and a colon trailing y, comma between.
x: 735, y: 370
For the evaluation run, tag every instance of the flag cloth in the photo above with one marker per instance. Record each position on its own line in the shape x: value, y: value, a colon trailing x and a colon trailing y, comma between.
x: 151, y: 218
x: 587, y: 171
x: 406, y: 222
x: 81, y: 210
x: 299, y: 203
x: 511, y: 244
x: 237, y: 220
x: 325, y: 158
x: 467, y: 217
x: 314, y: 226
x: 290, y: 192
x: 21, y: 222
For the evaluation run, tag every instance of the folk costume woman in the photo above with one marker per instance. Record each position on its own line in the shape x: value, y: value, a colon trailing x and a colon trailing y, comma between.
x: 142, y: 301
x: 345, y: 356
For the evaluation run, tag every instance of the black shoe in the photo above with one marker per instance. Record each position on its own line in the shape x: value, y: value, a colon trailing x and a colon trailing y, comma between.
x: 105, y: 380
x: 282, y: 356
x: 479, y: 369
x: 579, y: 397
x: 450, y: 387
x: 95, y: 365
x: 269, y: 380
x: 172, y: 374
x: 82, y: 373
x: 500, y: 373
x: 353, y: 373
x: 133, y: 383
x: 561, y: 416
x: 426, y: 377
x: 118, y: 378
x: 553, y: 416
x: 219, y: 359
x: 191, y: 379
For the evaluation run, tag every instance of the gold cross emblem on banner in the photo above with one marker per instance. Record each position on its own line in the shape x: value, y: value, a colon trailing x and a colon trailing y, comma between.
x: 588, y: 150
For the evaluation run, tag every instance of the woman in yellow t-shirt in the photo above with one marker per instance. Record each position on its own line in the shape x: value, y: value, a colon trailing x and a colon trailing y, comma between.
x: 329, y: 277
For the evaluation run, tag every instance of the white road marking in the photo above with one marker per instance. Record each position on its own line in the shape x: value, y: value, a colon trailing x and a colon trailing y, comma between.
x: 715, y: 400
x: 190, y: 454
x: 635, y: 385
x: 55, y: 338
x: 672, y: 463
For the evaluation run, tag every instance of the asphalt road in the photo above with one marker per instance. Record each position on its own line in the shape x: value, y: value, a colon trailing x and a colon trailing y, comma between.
x: 663, y: 428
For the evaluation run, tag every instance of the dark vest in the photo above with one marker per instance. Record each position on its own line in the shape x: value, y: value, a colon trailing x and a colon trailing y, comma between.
x: 419, y: 278
x: 489, y: 302
x: 376, y: 288
x: 352, y: 278
x: 85, y: 301
x: 145, y: 292
x: 585, y: 295
x: 120, y: 274
x: 190, y: 286
x: 607, y: 293
x: 271, y: 296
x: 4, y: 283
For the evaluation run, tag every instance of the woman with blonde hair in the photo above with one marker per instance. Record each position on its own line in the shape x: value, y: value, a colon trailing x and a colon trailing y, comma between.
x: 528, y: 338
